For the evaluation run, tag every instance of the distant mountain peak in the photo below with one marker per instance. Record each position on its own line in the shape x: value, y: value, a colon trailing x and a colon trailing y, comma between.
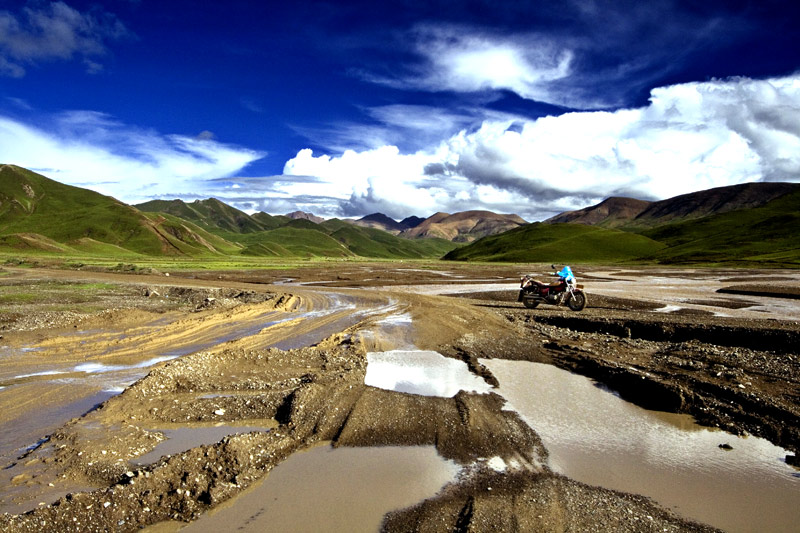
x: 465, y: 226
x: 302, y: 215
x: 611, y: 212
x: 386, y: 223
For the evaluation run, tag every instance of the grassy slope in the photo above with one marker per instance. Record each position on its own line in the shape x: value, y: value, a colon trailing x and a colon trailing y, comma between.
x: 334, y: 238
x: 558, y: 243
x: 770, y: 233
x: 370, y: 242
x: 88, y: 222
x: 210, y: 214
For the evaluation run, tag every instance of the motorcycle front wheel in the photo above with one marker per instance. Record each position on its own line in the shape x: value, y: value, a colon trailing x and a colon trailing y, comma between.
x: 530, y: 303
x: 578, y: 301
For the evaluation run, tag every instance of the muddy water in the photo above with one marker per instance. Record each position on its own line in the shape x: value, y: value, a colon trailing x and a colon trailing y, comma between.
x: 184, y: 437
x: 595, y: 437
x: 92, y: 366
x: 334, y: 490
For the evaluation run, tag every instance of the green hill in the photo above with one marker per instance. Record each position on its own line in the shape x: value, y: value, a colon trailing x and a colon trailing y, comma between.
x: 33, y: 211
x: 760, y: 232
x: 210, y: 214
x: 33, y: 205
x: 370, y: 242
x: 766, y: 234
x: 558, y: 243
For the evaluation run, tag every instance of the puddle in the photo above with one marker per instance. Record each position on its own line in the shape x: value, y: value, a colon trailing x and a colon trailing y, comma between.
x: 334, y: 490
x: 421, y: 372
x: 668, y: 309
x: 180, y: 439
x: 17, y: 435
x: 92, y: 368
x: 36, y: 374
x: 30, y: 350
x: 595, y: 437
x: 403, y: 319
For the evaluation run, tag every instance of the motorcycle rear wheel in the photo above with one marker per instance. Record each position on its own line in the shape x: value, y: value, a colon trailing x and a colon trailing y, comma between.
x: 530, y: 303
x: 578, y: 301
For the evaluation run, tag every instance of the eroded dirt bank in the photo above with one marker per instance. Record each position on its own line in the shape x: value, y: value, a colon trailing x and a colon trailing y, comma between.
x: 740, y: 375
x: 317, y: 393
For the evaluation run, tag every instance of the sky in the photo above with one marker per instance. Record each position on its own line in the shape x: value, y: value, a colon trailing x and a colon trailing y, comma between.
x: 344, y: 109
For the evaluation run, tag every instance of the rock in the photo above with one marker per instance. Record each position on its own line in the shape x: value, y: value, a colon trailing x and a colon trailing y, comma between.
x: 793, y: 460
x: 726, y: 446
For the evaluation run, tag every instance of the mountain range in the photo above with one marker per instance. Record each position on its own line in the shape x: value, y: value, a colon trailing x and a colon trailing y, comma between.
x: 33, y: 211
x: 747, y: 224
x: 632, y: 214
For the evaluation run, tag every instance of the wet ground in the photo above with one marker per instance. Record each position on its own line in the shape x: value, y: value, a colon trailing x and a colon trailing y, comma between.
x: 207, y: 392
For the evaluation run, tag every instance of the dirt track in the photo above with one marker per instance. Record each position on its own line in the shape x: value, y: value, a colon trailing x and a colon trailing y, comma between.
x: 739, y: 373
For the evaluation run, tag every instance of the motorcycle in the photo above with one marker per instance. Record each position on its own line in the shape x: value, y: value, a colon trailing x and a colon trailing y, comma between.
x: 565, y: 290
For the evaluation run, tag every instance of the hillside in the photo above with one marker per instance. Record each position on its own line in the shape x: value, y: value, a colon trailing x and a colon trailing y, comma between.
x: 610, y: 213
x: 465, y: 226
x: 761, y: 235
x: 209, y: 214
x: 296, y: 234
x: 33, y: 211
x: 558, y: 243
x: 302, y: 215
x: 633, y: 214
x: 750, y: 224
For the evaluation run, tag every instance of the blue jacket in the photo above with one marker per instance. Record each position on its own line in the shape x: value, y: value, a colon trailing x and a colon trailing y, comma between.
x: 566, y: 274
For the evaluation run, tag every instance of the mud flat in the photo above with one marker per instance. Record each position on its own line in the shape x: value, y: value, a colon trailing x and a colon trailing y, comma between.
x: 301, y: 382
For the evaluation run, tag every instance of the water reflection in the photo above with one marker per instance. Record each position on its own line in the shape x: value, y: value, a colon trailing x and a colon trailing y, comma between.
x: 421, y: 372
x: 595, y: 437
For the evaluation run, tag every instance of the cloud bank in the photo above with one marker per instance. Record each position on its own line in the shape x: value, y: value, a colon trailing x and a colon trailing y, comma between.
x: 92, y: 150
x: 690, y: 137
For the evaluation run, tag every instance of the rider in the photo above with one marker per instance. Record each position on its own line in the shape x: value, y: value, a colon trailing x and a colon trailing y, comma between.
x: 565, y: 274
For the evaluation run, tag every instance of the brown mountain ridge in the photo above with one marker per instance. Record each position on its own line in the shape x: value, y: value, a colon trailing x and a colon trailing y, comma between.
x: 465, y: 226
x: 632, y: 214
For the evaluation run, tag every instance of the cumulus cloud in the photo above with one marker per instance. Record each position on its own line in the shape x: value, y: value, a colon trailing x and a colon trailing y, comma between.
x: 409, y: 127
x: 55, y: 31
x: 690, y: 137
x: 93, y: 150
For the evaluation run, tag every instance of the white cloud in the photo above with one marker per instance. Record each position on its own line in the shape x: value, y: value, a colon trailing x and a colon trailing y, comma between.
x: 92, y: 150
x: 462, y: 59
x: 55, y: 31
x: 690, y: 137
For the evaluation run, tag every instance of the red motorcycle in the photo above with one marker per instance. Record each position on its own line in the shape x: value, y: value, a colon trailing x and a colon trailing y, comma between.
x: 565, y: 290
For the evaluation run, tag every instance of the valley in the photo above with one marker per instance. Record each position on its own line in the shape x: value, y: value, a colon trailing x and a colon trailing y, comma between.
x: 277, y: 361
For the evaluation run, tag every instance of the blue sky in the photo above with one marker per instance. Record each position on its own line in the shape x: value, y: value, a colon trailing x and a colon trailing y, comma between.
x: 407, y: 108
